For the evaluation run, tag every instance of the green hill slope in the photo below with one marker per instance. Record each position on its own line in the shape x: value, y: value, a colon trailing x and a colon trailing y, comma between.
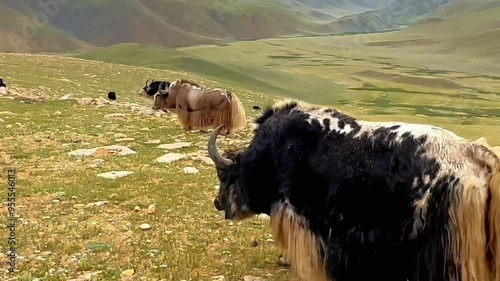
x: 274, y: 81
x: 462, y: 27
x: 19, y: 34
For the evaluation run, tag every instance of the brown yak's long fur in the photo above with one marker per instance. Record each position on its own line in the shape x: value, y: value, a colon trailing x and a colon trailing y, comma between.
x: 201, y: 108
x: 475, y: 220
x: 494, y: 226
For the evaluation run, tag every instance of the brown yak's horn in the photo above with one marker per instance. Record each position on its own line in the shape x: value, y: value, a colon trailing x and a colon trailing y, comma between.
x: 219, y: 161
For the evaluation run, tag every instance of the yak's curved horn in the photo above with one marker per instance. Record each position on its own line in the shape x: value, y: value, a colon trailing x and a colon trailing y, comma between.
x: 219, y: 161
x: 147, y: 82
x: 160, y: 88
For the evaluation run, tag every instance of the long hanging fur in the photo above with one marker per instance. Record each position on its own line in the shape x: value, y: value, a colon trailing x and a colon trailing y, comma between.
x: 475, y: 221
x: 301, y: 247
x: 494, y: 226
x: 230, y: 112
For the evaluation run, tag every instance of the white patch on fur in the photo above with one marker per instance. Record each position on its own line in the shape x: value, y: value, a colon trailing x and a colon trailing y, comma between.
x: 172, y: 85
x: 416, y: 130
x: 319, y: 115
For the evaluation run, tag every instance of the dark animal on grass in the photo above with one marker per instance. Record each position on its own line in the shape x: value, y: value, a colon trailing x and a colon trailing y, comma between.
x: 3, y: 87
x: 353, y: 200
x: 112, y: 96
x: 256, y: 107
x: 201, y: 108
x: 149, y: 90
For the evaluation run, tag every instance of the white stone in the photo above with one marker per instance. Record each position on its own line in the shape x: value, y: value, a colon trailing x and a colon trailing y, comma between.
x: 171, y: 157
x: 96, y: 204
x: 125, y: 139
x: 205, y: 159
x: 153, y: 141
x: 145, y: 226
x: 67, y: 97
x: 119, y: 135
x: 190, y: 170
x: 176, y: 145
x: 114, y: 174
x: 122, y: 150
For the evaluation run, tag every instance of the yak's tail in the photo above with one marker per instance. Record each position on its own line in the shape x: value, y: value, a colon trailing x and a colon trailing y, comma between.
x: 494, y: 226
x: 238, y: 115
x: 230, y: 113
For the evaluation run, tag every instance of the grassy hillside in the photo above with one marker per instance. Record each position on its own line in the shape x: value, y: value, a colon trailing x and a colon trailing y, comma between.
x: 322, y: 70
x: 462, y: 28
x: 75, y: 224
x: 237, y: 73
x: 19, y: 34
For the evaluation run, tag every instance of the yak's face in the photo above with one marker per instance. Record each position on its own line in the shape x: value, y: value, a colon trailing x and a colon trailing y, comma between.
x: 160, y: 101
x: 232, y: 198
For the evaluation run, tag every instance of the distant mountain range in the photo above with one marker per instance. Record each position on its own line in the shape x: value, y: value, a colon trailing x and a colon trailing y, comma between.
x: 85, y: 24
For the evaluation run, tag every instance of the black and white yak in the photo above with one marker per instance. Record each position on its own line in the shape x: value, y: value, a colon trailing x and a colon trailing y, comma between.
x: 151, y: 89
x: 352, y: 200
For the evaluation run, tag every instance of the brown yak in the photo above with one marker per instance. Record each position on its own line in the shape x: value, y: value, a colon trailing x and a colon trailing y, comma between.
x: 200, y: 108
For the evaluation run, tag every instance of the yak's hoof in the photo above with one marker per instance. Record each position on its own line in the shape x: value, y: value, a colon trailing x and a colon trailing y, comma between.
x: 283, y: 262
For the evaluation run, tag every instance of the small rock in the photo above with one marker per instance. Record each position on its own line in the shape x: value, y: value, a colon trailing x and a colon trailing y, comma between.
x: 128, y: 272
x: 56, y: 201
x: 263, y: 217
x: 85, y: 101
x: 137, y: 208
x: 190, y: 170
x: 67, y: 97
x: 96, y: 204
x: 151, y: 209
x: 58, y: 113
x: 97, y: 163
x: 114, y: 115
x: 78, y: 206
x: 171, y: 146
x: 145, y: 226
x: 171, y: 157
x: 119, y: 136
x: 120, y: 150
x: 114, y: 174
x: 153, y: 141
x: 252, y: 278
x: 125, y: 139
x: 219, y: 278
x: 205, y: 159
x: 82, y: 152
x: 163, y: 266
x: 8, y: 113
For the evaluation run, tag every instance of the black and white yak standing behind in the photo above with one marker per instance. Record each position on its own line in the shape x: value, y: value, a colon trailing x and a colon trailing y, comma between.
x: 351, y: 200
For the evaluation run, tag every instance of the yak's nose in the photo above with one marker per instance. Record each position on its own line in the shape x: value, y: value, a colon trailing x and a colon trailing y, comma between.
x: 217, y: 205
